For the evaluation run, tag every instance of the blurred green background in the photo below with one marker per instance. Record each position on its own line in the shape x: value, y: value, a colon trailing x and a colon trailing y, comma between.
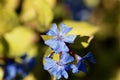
x: 22, y: 22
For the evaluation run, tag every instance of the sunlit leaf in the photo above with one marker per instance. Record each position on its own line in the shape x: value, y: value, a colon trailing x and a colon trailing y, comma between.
x: 39, y: 11
x: 8, y: 20
x: 20, y: 40
x: 28, y: 12
x: 32, y: 51
x: 45, y: 37
x: 92, y: 3
x: 81, y: 28
x: 86, y: 44
x: 53, y: 77
x: 30, y: 77
x: 52, y: 2
x: 117, y: 76
x: 11, y: 4
x: 44, y: 12
x: 47, y: 52
x: 1, y: 73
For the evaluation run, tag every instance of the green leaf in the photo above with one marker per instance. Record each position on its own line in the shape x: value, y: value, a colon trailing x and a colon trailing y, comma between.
x: 8, y: 20
x: 21, y: 40
x: 92, y: 3
x: 52, y: 3
x: 38, y: 12
x: 81, y: 28
x: 1, y: 73
x: 46, y: 37
x: 86, y: 44
x: 44, y: 13
x: 28, y: 12
x: 11, y: 4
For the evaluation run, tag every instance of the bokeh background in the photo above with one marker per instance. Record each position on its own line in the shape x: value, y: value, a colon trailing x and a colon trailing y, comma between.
x: 22, y: 22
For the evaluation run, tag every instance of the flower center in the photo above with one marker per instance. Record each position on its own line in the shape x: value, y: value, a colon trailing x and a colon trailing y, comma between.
x: 60, y: 37
x: 60, y: 64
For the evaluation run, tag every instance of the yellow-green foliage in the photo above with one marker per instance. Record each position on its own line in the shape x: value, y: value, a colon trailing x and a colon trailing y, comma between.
x: 8, y: 20
x: 38, y: 12
x: 21, y: 40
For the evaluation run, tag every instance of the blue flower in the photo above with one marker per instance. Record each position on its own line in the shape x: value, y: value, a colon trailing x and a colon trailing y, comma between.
x: 31, y: 62
x: 10, y: 70
x: 81, y: 65
x: 58, y: 43
x: 89, y: 57
x: 11, y: 67
x: 58, y: 68
x: 26, y: 66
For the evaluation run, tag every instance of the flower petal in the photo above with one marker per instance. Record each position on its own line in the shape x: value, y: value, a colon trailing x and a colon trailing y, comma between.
x: 65, y: 74
x: 57, y: 46
x: 11, y: 71
x: 81, y: 66
x: 31, y: 62
x: 53, y: 43
x: 49, y: 63
x: 53, y: 31
x: 59, y: 74
x: 64, y: 29
x: 61, y: 47
x: 74, y: 69
x: 69, y: 39
x: 66, y: 58
x: 89, y: 57
x: 53, y: 70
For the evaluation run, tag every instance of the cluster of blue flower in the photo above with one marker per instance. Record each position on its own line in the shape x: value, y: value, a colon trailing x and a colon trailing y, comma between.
x: 59, y: 46
x: 12, y: 68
